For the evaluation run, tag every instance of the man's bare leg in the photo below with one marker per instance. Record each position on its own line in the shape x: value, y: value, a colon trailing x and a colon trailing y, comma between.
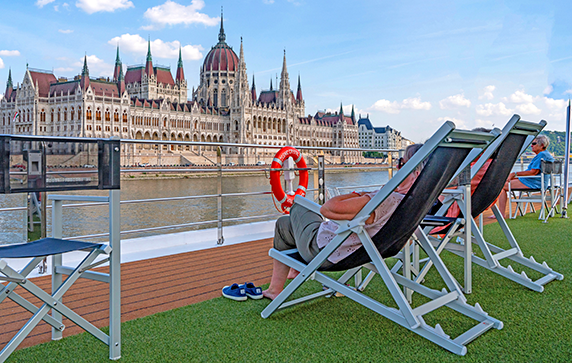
x: 279, y: 275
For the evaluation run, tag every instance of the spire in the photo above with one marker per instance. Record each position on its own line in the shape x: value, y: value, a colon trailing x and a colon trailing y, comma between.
x: 149, y: 63
x: 241, y: 51
x: 353, y: 114
x: 253, y: 90
x: 118, y: 67
x: 9, y: 83
x: 299, y: 92
x: 221, y: 35
x: 284, y: 70
x: 180, y: 74
x: 271, y: 84
x: 84, y: 82
x: 10, y: 86
x: 341, y: 111
x: 85, y: 70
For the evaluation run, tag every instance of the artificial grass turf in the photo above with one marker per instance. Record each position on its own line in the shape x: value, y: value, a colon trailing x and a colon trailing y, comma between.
x: 537, y: 326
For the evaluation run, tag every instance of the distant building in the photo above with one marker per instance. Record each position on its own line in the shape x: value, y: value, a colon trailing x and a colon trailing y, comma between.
x: 406, y: 142
x: 148, y: 103
x: 378, y: 137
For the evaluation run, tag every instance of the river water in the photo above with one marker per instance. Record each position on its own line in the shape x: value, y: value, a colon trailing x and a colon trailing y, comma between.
x: 79, y: 221
x: 91, y: 220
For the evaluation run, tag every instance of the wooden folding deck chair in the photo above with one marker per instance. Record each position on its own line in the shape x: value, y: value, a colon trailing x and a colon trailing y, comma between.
x: 503, y: 153
x: 446, y: 150
x: 38, y: 179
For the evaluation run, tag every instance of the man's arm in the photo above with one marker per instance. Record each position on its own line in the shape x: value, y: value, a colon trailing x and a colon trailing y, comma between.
x: 345, y: 207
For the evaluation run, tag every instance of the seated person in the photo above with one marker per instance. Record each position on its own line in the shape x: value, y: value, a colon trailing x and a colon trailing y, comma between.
x: 309, y: 233
x: 538, y: 145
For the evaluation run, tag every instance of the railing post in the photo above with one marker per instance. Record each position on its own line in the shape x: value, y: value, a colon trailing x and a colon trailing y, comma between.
x: 321, y: 180
x: 220, y: 237
x: 115, y: 274
x: 56, y: 261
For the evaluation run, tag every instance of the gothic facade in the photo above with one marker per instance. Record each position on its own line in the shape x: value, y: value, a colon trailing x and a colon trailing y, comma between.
x: 148, y: 103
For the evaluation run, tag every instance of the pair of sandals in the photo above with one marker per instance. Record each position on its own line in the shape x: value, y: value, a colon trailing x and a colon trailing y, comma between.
x: 242, y: 292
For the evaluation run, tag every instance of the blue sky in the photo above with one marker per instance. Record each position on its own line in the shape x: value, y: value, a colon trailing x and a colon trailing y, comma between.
x: 411, y: 65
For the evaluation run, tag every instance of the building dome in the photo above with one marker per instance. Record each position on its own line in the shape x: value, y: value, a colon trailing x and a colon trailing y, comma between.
x: 221, y: 57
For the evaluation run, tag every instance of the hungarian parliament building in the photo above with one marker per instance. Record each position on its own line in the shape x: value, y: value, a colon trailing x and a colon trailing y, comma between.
x: 147, y: 103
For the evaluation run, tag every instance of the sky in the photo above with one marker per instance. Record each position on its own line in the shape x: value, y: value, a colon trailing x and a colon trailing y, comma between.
x: 408, y: 64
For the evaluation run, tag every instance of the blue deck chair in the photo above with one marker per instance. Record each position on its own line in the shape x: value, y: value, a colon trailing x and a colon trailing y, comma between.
x: 11, y: 279
x: 445, y: 152
x: 504, y: 152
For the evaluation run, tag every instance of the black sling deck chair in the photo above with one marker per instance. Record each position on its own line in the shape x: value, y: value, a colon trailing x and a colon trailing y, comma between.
x: 503, y: 153
x: 38, y: 178
x: 444, y: 151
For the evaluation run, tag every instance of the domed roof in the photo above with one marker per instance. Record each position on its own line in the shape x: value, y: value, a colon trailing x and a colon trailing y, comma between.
x: 221, y: 57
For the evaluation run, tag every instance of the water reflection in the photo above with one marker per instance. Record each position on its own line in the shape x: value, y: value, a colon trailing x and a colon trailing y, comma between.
x: 91, y: 220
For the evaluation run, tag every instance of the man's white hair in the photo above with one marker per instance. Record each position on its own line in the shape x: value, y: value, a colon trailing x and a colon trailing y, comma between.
x: 544, y: 140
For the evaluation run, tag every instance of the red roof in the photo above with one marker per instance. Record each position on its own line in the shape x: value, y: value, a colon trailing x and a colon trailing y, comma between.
x: 58, y: 88
x: 221, y: 57
x: 44, y: 80
x: 133, y: 75
x: 164, y: 76
x: 101, y: 88
x: 268, y: 96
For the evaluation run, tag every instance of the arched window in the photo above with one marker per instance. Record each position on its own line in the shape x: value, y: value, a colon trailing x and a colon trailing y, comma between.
x: 223, y: 98
x: 52, y: 115
x: 215, y: 98
x: 72, y: 114
x: 116, y: 116
x: 59, y: 115
x: 124, y: 117
x: 98, y: 115
x: 107, y: 115
x: 79, y: 113
x: 88, y: 114
x: 65, y: 114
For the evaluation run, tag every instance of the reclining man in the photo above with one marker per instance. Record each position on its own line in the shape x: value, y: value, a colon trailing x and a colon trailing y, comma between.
x: 539, y: 146
x: 309, y: 233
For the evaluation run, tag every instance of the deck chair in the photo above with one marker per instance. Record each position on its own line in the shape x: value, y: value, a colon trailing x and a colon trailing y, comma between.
x: 39, y: 180
x: 504, y: 151
x: 547, y: 193
x: 445, y: 151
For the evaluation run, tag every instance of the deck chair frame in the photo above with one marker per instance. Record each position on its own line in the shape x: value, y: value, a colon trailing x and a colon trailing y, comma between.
x: 405, y: 315
x: 492, y: 253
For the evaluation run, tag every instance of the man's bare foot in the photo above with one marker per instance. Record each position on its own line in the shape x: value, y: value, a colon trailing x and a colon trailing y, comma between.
x: 292, y: 273
x: 270, y: 294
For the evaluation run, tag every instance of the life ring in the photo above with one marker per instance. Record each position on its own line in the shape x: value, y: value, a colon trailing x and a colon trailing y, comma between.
x: 286, y: 200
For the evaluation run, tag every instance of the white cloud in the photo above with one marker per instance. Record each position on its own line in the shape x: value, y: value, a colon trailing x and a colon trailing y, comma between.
x: 555, y: 104
x: 519, y: 97
x: 1, y: 63
x: 454, y: 102
x: 97, y: 67
x: 66, y: 31
x: 268, y: 1
x: 548, y: 90
x: 172, y: 13
x: 387, y: 106
x: 134, y: 43
x: 42, y: 3
x: 493, y: 109
x: 528, y: 108
x: 415, y: 104
x: 395, y: 107
x: 487, y: 93
x: 93, y: 6
x: 9, y: 53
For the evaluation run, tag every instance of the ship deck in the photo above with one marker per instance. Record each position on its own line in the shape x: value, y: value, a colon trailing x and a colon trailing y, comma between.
x: 153, y: 285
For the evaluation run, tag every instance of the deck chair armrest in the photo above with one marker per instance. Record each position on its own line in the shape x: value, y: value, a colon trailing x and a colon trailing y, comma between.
x: 308, y: 204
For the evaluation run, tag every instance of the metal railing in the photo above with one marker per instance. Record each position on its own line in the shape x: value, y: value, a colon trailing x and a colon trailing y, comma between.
x: 218, y: 168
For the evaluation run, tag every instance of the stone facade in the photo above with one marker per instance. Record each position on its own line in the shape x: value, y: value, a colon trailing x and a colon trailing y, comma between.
x: 378, y: 137
x: 148, y: 104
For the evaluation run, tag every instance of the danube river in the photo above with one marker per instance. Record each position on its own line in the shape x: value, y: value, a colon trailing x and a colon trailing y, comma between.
x: 80, y: 221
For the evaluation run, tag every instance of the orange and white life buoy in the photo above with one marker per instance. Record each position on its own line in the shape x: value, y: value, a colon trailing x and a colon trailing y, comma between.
x: 286, y: 200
